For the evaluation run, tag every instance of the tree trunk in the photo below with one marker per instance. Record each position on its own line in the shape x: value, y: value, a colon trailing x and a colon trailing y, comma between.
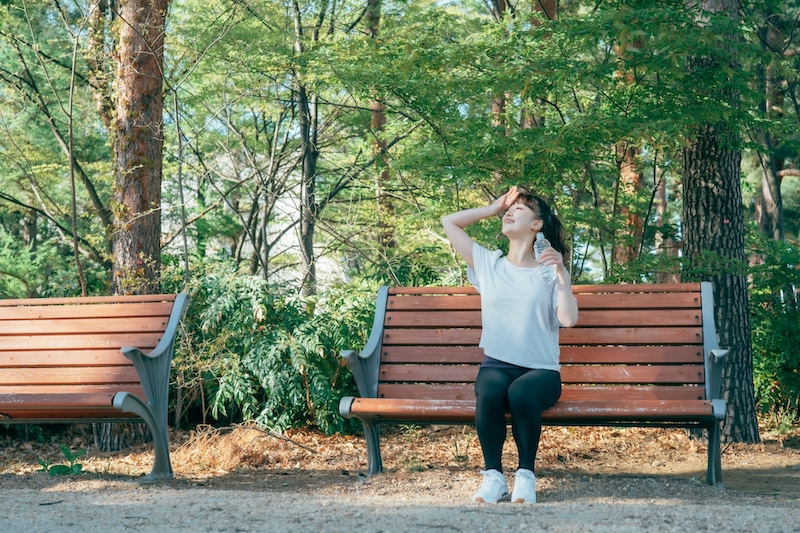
x: 138, y: 145
x: 713, y: 220
x: 770, y: 203
x: 384, y: 204
x: 665, y: 243
x: 308, y: 215
x: 627, y: 248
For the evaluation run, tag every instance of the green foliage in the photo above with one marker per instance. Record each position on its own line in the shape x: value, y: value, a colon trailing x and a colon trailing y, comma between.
x: 260, y: 352
x: 71, y: 468
x: 775, y: 318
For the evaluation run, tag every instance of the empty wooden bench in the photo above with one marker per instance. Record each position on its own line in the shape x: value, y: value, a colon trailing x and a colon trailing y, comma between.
x: 99, y: 359
x: 640, y: 355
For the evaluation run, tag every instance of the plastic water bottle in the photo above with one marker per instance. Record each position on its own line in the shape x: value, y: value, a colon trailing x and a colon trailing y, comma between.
x: 542, y: 244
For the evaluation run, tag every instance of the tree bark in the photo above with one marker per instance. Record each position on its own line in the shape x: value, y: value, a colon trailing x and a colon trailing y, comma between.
x: 138, y: 146
x: 713, y: 220
x: 384, y: 204
x: 665, y: 243
x: 630, y: 180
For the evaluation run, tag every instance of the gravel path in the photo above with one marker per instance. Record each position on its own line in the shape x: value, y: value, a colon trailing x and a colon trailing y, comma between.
x: 433, y: 501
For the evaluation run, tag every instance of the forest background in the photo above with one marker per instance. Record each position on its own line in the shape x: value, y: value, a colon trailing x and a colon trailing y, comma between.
x: 281, y: 159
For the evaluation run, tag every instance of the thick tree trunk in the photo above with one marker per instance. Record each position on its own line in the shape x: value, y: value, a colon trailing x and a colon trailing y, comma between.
x: 138, y: 144
x: 713, y: 221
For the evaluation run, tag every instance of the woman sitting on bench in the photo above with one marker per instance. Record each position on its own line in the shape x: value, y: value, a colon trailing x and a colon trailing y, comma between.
x: 522, y: 310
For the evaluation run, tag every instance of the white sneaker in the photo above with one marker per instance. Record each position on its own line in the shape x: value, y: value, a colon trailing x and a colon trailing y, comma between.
x: 524, y: 487
x: 493, y: 488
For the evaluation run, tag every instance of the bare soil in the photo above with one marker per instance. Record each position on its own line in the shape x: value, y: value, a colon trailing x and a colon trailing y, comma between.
x: 241, y: 479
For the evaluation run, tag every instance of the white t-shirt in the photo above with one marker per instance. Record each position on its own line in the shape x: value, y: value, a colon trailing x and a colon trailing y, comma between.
x: 518, y: 309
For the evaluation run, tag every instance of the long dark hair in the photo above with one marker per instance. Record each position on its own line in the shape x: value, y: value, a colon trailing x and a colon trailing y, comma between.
x: 553, y: 229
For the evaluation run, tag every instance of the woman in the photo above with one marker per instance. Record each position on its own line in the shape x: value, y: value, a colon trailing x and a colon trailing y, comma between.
x: 521, y: 312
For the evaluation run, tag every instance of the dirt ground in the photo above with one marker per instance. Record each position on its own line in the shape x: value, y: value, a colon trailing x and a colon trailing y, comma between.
x: 241, y: 479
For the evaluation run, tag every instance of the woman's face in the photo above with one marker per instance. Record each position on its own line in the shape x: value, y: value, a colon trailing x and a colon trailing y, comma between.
x: 520, y: 220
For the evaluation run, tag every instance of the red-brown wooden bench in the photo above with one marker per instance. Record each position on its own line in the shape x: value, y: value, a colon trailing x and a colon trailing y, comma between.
x: 640, y: 355
x: 98, y: 359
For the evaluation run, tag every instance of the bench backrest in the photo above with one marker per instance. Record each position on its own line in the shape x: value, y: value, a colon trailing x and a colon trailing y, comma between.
x: 72, y: 345
x: 643, y: 341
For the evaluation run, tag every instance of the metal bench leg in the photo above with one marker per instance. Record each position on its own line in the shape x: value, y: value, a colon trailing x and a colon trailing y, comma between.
x: 373, y: 438
x: 162, y: 468
x: 714, y: 475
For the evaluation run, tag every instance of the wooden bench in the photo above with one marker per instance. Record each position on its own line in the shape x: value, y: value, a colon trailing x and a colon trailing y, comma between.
x: 99, y: 359
x: 640, y: 355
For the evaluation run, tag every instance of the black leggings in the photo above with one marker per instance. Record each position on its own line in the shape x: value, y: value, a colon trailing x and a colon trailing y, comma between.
x: 523, y: 392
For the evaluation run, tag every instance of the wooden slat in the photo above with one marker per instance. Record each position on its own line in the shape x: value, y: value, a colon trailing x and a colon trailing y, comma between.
x: 432, y: 336
x: 433, y: 290
x: 606, y: 336
x: 640, y: 318
x: 590, y: 318
x: 638, y: 287
x: 692, y: 354
x: 84, y: 326
x: 602, y: 412
x: 631, y: 374
x: 639, y: 301
x: 55, y: 401
x: 66, y: 376
x: 427, y: 319
x: 602, y: 336
x: 99, y: 357
x: 133, y: 388
x: 432, y: 354
x: 86, y: 311
x: 22, y: 414
x: 47, y: 342
x: 689, y: 354
x: 411, y: 303
x: 612, y: 393
x: 628, y: 288
x: 88, y: 300
x: 411, y: 373
x: 609, y: 393
x: 437, y: 391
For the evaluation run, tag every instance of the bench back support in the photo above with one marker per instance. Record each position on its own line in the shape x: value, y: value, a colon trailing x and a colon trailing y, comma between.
x: 651, y: 342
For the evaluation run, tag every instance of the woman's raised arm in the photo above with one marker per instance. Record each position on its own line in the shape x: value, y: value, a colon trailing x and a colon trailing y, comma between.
x: 455, y: 223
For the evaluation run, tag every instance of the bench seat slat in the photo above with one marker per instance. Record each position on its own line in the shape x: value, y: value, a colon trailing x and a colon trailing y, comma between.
x: 97, y: 340
x: 68, y: 375
x: 466, y: 391
x: 470, y: 319
x: 68, y: 414
x: 35, y: 358
x: 464, y: 410
x: 569, y: 374
x: 84, y: 326
x: 133, y: 388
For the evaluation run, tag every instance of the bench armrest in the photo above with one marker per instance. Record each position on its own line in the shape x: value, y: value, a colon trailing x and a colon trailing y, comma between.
x: 714, y: 355
x: 165, y: 344
x: 365, y: 364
